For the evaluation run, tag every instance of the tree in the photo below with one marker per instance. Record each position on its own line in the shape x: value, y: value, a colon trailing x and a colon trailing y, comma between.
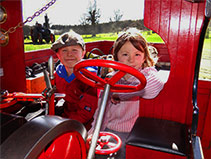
x: 83, y: 20
x: 92, y: 16
x: 117, y: 15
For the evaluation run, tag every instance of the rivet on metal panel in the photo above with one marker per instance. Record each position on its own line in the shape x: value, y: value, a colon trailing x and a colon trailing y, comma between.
x: 4, y: 38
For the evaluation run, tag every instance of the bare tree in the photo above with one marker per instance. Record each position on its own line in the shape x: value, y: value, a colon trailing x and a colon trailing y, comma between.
x: 83, y: 20
x: 117, y: 16
x: 92, y: 16
x: 93, y: 13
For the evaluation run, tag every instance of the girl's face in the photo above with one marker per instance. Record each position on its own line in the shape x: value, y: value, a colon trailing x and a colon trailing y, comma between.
x: 129, y: 55
x: 70, y: 55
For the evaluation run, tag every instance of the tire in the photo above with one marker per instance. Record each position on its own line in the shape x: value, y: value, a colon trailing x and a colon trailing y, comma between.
x: 40, y: 38
x: 47, y: 40
x: 52, y: 37
x: 34, y: 35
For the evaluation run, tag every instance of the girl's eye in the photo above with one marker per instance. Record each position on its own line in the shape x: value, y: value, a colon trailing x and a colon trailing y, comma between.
x: 138, y: 54
x: 124, y: 54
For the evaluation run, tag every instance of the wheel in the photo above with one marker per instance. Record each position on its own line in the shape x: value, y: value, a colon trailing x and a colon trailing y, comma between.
x: 52, y: 38
x: 93, y: 80
x: 34, y: 35
x: 67, y: 146
x: 40, y: 38
x: 47, y: 137
x: 107, y: 143
x: 47, y: 39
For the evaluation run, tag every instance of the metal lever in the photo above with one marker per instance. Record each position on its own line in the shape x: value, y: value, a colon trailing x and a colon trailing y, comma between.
x: 47, y: 79
x: 98, y: 124
x: 49, y: 91
x: 51, y: 67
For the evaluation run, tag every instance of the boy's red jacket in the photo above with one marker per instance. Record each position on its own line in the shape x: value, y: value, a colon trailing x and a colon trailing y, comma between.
x: 81, y: 99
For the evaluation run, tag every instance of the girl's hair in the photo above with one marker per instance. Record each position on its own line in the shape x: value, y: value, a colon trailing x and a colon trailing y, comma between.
x: 134, y: 36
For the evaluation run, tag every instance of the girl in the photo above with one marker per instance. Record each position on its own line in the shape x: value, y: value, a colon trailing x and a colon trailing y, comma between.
x: 123, y: 108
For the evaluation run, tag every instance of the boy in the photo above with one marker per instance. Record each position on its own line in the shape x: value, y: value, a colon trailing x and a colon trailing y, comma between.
x: 81, y: 99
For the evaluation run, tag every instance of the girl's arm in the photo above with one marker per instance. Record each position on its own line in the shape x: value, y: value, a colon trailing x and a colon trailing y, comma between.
x: 153, y: 87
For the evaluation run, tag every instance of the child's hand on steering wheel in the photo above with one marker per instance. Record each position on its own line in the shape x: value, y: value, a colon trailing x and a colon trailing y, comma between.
x: 127, y: 76
x: 115, y: 99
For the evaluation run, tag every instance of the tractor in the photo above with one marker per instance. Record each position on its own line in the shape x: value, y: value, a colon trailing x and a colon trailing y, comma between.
x: 39, y: 32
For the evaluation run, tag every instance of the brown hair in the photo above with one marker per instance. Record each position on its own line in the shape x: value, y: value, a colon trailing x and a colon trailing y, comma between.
x: 134, y: 36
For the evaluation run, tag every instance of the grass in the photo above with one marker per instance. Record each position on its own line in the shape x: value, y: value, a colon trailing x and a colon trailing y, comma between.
x: 99, y: 37
x: 88, y: 38
x: 205, y: 69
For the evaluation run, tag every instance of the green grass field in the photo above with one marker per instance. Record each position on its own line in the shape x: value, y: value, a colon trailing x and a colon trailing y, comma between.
x: 88, y: 38
x: 205, y: 69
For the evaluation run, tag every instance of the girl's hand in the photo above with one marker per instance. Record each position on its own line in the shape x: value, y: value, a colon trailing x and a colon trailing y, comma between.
x: 115, y: 99
x: 127, y: 76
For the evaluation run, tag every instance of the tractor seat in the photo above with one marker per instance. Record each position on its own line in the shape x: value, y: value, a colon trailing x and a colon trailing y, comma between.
x: 160, y: 135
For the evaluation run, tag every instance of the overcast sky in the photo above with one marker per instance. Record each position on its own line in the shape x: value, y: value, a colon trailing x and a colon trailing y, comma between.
x: 69, y: 12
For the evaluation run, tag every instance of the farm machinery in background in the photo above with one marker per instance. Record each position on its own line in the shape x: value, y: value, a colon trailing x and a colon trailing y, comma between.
x: 41, y: 32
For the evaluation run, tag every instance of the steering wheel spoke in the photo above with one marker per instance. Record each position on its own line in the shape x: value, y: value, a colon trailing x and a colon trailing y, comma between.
x: 116, y: 78
x: 99, y: 147
x: 111, y: 144
x: 122, y: 88
x: 89, y: 75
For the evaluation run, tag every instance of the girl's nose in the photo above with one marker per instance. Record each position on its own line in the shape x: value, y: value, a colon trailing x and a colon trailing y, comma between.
x: 131, y: 58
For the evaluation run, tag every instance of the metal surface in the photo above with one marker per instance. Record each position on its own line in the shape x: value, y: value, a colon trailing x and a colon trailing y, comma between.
x: 3, y: 14
x: 51, y: 67
x: 98, y: 124
x: 196, y: 76
x: 197, y: 148
x: 208, y: 9
x: 50, y: 88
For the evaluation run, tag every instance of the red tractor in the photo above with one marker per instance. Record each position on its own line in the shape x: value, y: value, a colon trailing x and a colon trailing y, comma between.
x: 174, y: 125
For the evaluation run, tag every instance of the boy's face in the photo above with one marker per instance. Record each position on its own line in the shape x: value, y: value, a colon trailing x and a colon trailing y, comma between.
x: 70, y: 55
x: 129, y: 55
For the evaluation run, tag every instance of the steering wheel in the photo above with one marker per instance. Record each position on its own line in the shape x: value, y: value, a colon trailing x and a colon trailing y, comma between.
x: 95, y: 81
x: 107, y: 143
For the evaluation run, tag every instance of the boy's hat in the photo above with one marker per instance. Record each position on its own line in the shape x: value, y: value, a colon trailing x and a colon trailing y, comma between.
x: 68, y: 39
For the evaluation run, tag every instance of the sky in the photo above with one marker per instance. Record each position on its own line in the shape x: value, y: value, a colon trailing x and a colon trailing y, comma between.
x: 69, y: 12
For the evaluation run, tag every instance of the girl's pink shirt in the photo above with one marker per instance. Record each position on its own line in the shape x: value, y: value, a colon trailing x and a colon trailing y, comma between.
x: 122, y: 116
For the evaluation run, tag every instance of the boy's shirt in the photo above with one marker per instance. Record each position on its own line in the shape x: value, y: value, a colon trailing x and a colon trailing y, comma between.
x: 61, y: 72
x: 81, y: 99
